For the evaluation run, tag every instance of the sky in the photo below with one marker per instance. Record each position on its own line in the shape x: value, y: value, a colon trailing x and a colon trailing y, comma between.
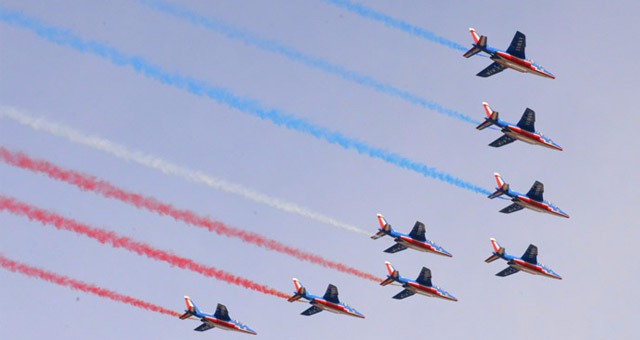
x: 299, y: 122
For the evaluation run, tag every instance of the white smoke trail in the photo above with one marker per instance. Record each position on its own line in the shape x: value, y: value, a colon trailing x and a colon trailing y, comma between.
x: 166, y: 167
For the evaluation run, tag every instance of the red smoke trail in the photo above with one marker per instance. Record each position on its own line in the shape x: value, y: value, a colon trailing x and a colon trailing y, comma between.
x: 90, y: 183
x: 17, y: 267
x: 117, y: 241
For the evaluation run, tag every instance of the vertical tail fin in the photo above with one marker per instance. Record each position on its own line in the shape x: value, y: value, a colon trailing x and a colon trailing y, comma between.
x: 300, y: 291
x: 492, y: 117
x: 385, y: 228
x: 393, y: 274
x: 498, y: 251
x: 502, y: 188
x: 480, y: 42
x: 192, y: 309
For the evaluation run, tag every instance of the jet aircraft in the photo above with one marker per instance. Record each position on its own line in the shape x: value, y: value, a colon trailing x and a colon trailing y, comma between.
x: 415, y: 239
x: 328, y: 302
x: 524, y: 130
x: 422, y: 285
x: 220, y: 319
x: 532, y: 200
x: 527, y: 263
x: 513, y: 57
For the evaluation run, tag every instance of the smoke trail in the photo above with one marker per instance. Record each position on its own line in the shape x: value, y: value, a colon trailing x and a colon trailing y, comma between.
x: 21, y: 268
x: 106, y: 189
x: 402, y: 25
x: 166, y: 167
x: 223, y: 96
x: 292, y: 54
x: 108, y: 237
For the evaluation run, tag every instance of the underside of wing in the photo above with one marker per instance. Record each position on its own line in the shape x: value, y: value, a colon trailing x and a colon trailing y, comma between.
x: 517, y: 46
x: 512, y: 208
x: 331, y: 294
x: 504, y: 140
x: 508, y: 271
x: 311, y: 310
x: 222, y: 313
x: 528, y: 120
x: 536, y: 191
x: 424, y: 277
x: 395, y: 248
x: 204, y: 327
x: 491, y: 70
x: 531, y: 254
x: 418, y: 232
x: 403, y: 294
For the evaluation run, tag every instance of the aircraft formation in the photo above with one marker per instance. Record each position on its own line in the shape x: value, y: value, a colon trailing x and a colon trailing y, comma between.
x: 524, y: 130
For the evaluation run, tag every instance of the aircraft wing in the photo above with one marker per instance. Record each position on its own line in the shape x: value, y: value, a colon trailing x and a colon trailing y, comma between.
x: 527, y: 121
x: 418, y: 232
x: 424, y: 277
x: 508, y: 271
x: 331, y: 294
x: 535, y: 193
x: 403, y: 294
x: 531, y: 254
x: 222, y: 313
x: 512, y: 208
x: 491, y: 70
x: 204, y: 327
x: 311, y: 310
x: 504, y: 140
x: 517, y: 46
x: 395, y: 248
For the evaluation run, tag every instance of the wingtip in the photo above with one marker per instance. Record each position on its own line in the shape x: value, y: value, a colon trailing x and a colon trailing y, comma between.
x: 471, y: 29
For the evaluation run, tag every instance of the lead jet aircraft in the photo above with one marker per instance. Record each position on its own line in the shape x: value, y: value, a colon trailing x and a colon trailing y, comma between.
x: 524, y: 130
x: 527, y: 263
x: 422, y: 285
x: 220, y: 319
x: 415, y: 239
x: 328, y: 302
x: 512, y: 58
x: 532, y: 200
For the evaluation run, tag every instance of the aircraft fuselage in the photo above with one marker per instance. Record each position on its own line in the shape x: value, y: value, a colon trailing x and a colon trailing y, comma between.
x: 532, y: 268
x: 334, y: 307
x: 421, y: 246
x: 426, y: 291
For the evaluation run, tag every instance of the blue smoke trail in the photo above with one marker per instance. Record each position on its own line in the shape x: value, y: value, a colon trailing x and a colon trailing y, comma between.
x: 402, y: 25
x: 292, y: 54
x: 66, y: 38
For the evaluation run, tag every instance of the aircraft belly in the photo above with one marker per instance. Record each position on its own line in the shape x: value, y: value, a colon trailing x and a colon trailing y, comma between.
x: 327, y: 307
x: 421, y: 291
x: 527, y: 269
x: 521, y: 137
x: 412, y: 245
x: 532, y: 206
x: 512, y: 65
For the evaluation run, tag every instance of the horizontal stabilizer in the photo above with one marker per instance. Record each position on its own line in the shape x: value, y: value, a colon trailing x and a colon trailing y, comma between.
x: 491, y: 258
x: 473, y: 51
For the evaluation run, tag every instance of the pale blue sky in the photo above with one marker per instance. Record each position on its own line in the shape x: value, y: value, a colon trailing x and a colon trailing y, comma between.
x: 589, y: 110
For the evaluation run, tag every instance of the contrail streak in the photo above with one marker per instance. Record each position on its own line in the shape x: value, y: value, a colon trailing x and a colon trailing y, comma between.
x: 65, y: 281
x: 295, y: 55
x: 169, y: 168
x: 111, y: 238
x: 90, y: 183
x: 399, y: 24
x: 225, y: 97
